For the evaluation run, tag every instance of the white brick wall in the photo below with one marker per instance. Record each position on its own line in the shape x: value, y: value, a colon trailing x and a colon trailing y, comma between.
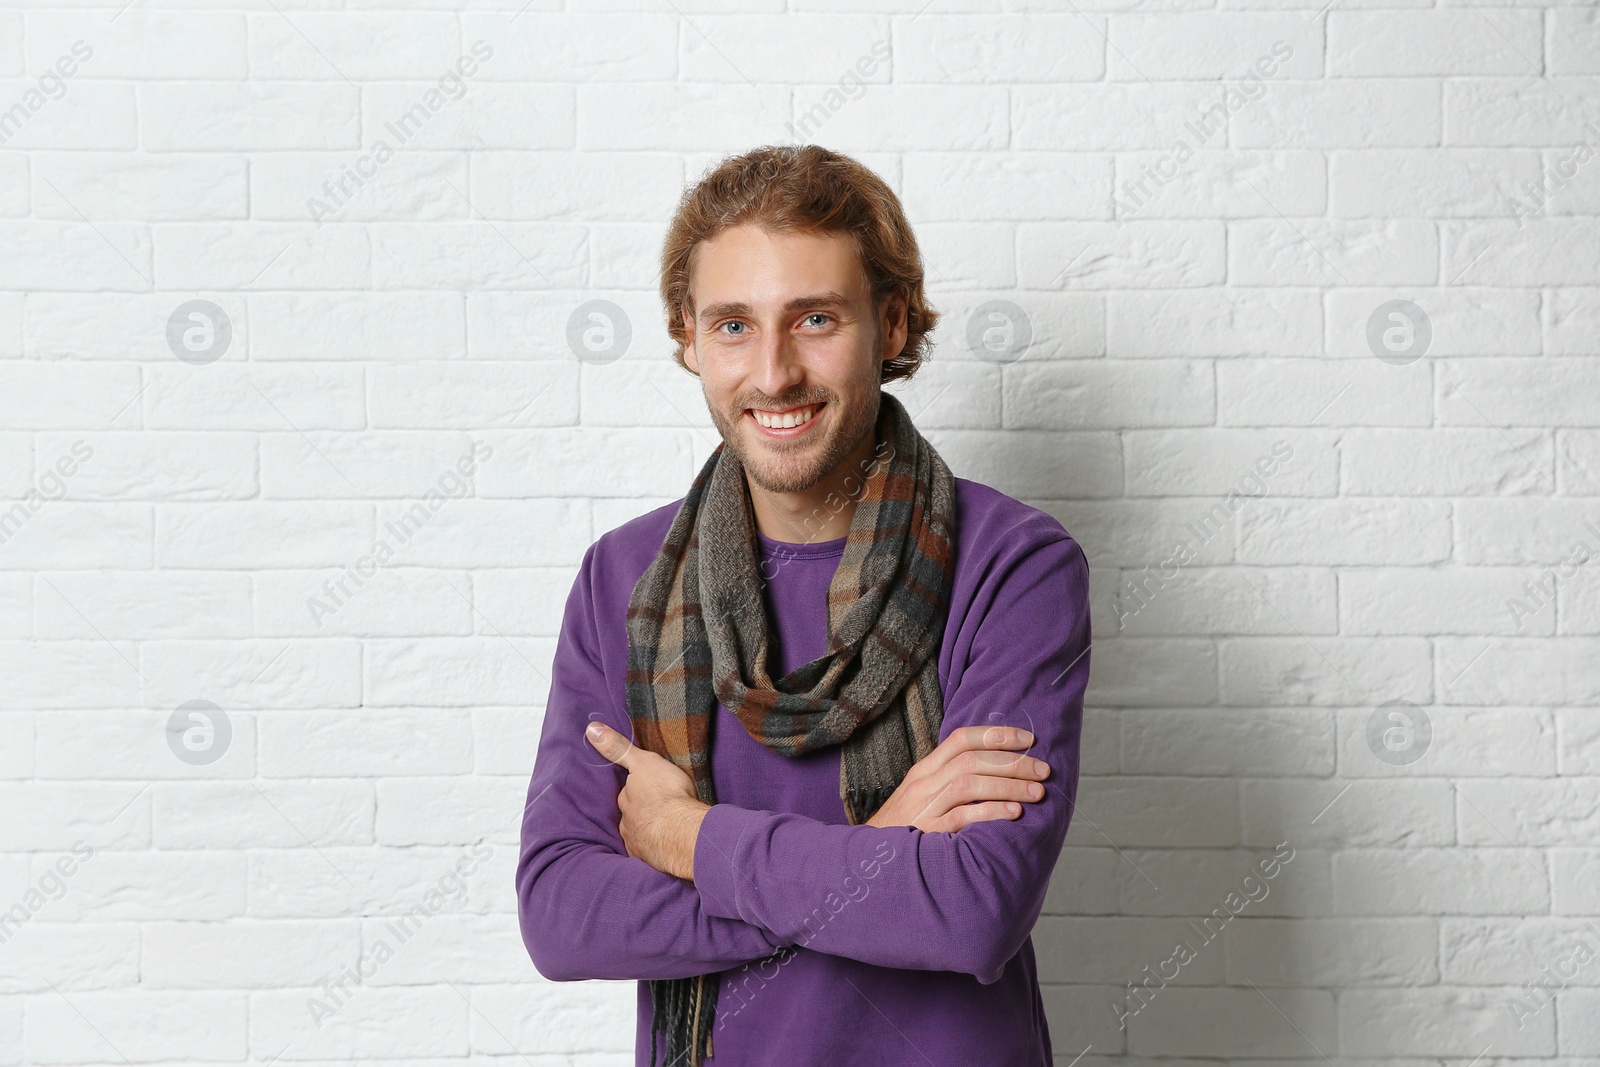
x: 1424, y: 536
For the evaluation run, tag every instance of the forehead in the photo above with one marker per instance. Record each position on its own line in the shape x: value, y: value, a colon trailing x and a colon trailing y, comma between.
x: 757, y: 266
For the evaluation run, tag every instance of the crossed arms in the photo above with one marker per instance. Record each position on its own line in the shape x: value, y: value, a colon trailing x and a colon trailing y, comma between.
x: 764, y: 880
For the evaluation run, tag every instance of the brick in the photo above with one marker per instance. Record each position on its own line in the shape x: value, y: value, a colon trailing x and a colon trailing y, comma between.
x: 391, y: 602
x: 1263, y: 671
x: 210, y: 815
x: 270, y: 255
x: 431, y: 1022
x: 247, y: 116
x: 143, y: 1026
x: 1221, y: 741
x: 1219, y: 462
x: 1466, y: 322
x: 1219, y: 184
x: 1108, y: 118
x: 1233, y: 1022
x: 1332, y: 252
x: 1155, y: 812
x: 1457, y: 600
x: 143, y: 45
x: 1032, y: 463
x: 1215, y: 601
x: 1428, y: 182
x: 477, y: 256
x: 1105, y: 394
x: 120, y: 327
x: 1203, y: 46
x: 1212, y: 322
x: 1437, y: 43
x: 120, y: 185
x: 1018, y: 186
x: 457, y: 672
x: 1516, y: 392
x: 1372, y: 532
x: 1332, y: 952
x: 89, y: 115
x: 1035, y: 47
x: 262, y: 534
x: 394, y: 742
x: 1438, y: 881
x: 354, y: 46
x: 1362, y: 814
x: 326, y: 188
x: 1439, y: 1022
x: 74, y: 257
x: 1117, y: 255
x: 1466, y: 743
x: 451, y: 811
x: 1344, y: 113
x: 242, y: 954
x: 535, y: 45
x: 252, y: 675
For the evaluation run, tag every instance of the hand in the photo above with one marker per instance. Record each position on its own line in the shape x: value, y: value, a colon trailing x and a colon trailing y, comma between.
x: 970, y: 777
x: 661, y: 814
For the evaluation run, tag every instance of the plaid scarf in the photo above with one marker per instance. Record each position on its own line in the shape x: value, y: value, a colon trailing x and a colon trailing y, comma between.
x: 697, y: 635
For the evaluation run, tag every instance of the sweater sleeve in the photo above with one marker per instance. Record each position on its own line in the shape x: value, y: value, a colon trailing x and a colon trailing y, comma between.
x: 900, y: 897
x: 587, y: 909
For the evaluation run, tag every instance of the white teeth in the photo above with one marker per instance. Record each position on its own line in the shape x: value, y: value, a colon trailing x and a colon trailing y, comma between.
x: 774, y: 421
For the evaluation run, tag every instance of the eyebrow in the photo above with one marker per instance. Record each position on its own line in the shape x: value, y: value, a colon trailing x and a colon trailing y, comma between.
x: 829, y: 299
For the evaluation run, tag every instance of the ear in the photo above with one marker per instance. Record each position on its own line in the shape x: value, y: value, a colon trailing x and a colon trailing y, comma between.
x: 892, y: 326
x: 691, y: 359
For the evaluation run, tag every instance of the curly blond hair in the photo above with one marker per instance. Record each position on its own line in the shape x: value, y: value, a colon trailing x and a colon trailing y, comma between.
x: 803, y: 189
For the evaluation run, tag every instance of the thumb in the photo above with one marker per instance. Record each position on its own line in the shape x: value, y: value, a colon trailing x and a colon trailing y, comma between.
x: 610, y: 744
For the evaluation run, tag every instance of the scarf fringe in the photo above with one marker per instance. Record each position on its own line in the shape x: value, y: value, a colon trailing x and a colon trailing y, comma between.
x: 684, y: 1008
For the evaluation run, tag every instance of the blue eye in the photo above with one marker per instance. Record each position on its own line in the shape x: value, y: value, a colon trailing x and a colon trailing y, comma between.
x: 734, y: 323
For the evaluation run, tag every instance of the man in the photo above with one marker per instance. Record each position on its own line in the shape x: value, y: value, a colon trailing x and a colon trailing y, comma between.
x: 811, y: 745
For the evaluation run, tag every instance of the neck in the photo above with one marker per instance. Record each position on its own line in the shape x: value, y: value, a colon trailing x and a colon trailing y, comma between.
x: 822, y: 512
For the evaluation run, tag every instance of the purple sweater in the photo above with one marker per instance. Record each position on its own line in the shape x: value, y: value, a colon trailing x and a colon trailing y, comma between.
x: 908, y: 947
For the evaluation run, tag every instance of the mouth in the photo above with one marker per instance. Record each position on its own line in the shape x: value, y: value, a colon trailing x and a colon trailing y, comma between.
x: 785, y: 422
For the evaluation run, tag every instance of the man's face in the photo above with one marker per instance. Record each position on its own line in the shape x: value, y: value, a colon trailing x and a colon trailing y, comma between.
x: 788, y: 352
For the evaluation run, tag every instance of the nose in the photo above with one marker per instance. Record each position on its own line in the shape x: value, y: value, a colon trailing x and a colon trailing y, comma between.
x: 777, y: 368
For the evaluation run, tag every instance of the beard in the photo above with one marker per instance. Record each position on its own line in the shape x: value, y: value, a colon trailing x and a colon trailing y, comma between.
x: 795, y: 466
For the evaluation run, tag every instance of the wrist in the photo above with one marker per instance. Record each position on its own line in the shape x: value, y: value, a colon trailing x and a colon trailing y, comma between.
x: 695, y: 814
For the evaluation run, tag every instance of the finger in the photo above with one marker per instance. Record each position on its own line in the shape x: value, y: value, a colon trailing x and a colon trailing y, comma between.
x: 975, y: 739
x: 610, y: 744
x: 989, y: 811
x: 1008, y: 764
x: 977, y: 788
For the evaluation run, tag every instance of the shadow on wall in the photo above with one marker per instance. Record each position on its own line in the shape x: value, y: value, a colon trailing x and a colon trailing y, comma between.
x: 1251, y: 850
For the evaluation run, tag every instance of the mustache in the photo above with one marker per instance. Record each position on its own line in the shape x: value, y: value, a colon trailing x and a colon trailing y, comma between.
x: 793, y: 399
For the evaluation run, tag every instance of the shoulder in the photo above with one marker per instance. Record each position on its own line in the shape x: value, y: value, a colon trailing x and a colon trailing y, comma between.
x: 994, y: 530
x: 620, y: 556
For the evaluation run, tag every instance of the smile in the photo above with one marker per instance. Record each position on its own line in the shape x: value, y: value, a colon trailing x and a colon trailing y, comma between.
x: 785, y: 422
